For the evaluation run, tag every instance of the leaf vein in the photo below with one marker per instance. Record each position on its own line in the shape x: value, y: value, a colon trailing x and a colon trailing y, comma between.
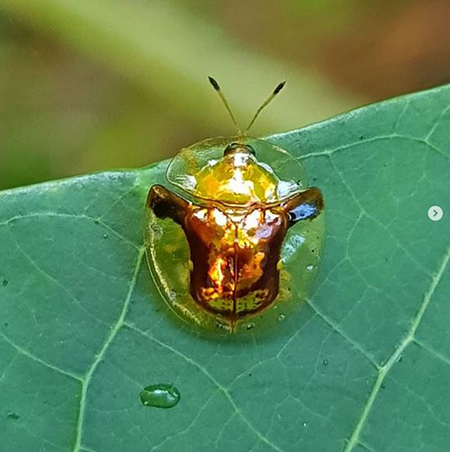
x: 335, y: 327
x: 436, y: 124
x: 433, y: 352
x: 330, y: 152
x: 55, y: 281
x: 222, y: 388
x: 408, y: 339
x: 26, y: 353
x: 101, y: 354
x: 384, y: 227
x: 68, y: 215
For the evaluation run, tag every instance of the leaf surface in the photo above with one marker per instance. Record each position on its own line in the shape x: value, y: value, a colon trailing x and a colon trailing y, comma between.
x: 363, y: 366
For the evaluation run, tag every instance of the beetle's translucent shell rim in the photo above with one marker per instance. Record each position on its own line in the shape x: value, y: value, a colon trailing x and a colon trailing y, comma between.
x: 286, y: 168
x: 168, y: 251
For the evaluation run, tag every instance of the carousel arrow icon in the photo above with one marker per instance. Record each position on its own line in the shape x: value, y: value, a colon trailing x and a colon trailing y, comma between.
x: 435, y: 213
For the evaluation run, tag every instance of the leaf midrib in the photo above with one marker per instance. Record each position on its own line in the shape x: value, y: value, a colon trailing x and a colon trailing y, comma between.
x: 407, y: 339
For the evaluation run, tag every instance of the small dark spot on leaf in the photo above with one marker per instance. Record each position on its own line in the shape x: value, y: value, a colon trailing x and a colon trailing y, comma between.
x: 5, y: 282
x: 6, y: 324
x: 383, y: 386
x: 361, y: 137
x: 250, y: 374
x: 12, y: 415
x: 97, y: 222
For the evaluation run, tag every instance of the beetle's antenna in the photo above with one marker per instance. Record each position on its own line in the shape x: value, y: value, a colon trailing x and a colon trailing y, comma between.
x: 216, y: 87
x: 264, y: 105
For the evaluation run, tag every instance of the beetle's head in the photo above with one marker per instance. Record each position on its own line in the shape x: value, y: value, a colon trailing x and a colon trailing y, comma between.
x: 238, y: 148
x: 238, y: 155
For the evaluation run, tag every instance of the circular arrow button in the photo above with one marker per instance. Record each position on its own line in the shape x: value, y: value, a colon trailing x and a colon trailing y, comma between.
x: 435, y: 213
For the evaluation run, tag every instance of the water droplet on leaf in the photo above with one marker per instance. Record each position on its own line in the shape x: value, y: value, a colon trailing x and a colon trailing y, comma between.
x: 325, y: 362
x: 105, y: 236
x: 5, y: 283
x: 12, y: 415
x: 281, y: 317
x: 250, y: 326
x: 160, y: 396
x: 310, y: 267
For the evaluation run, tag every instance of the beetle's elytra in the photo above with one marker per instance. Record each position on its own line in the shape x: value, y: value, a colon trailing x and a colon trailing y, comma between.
x: 222, y: 234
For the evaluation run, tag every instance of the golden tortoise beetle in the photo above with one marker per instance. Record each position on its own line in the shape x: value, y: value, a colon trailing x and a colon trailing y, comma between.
x: 234, y: 232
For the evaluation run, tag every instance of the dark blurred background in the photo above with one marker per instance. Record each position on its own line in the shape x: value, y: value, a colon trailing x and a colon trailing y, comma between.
x: 87, y: 85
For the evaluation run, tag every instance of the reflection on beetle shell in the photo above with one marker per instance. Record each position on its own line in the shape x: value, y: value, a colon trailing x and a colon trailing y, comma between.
x: 233, y: 219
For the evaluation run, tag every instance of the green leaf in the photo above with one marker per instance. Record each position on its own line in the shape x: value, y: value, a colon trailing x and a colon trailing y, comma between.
x: 363, y: 366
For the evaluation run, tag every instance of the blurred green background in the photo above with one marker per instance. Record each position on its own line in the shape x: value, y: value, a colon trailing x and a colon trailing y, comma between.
x: 87, y: 85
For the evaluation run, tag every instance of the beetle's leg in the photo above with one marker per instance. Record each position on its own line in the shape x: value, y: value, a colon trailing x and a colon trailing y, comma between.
x: 166, y: 204
x: 304, y: 206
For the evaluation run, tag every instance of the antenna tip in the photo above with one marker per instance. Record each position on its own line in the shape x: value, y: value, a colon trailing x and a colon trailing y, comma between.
x: 279, y: 88
x: 214, y: 84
